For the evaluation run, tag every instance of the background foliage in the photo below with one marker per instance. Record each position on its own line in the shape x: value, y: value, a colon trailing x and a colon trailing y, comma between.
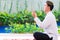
x: 22, y: 21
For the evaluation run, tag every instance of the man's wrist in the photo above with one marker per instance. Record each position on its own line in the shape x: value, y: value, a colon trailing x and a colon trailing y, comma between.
x: 35, y: 17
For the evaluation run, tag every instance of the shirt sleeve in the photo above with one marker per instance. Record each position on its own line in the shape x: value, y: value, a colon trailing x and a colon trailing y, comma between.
x: 44, y: 24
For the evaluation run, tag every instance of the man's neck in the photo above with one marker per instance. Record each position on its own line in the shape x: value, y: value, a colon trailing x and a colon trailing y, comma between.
x: 47, y: 12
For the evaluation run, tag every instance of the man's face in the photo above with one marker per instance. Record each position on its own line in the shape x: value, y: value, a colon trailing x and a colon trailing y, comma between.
x: 46, y: 7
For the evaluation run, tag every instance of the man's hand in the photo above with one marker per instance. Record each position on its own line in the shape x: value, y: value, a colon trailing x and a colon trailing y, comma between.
x: 34, y: 14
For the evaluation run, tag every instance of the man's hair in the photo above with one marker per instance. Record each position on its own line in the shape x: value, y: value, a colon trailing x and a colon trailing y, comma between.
x: 50, y: 4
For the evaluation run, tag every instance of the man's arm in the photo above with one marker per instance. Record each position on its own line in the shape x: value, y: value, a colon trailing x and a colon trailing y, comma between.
x: 44, y: 24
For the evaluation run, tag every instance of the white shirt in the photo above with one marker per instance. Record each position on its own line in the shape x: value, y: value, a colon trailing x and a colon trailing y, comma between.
x: 49, y: 24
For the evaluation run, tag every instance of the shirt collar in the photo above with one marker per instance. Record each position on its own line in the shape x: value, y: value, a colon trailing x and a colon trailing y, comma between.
x: 49, y: 12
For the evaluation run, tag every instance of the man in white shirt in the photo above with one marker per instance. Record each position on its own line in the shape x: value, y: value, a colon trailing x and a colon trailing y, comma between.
x: 49, y: 23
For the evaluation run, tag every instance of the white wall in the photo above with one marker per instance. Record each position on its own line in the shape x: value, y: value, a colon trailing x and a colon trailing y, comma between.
x: 31, y: 4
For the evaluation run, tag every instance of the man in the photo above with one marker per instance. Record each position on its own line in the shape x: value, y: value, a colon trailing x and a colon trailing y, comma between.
x: 49, y: 23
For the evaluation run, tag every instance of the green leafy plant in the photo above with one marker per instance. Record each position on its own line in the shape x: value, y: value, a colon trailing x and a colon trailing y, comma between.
x: 22, y: 21
x: 57, y: 15
x: 41, y: 15
x: 23, y: 16
x: 21, y: 28
x: 4, y: 16
x: 59, y: 29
